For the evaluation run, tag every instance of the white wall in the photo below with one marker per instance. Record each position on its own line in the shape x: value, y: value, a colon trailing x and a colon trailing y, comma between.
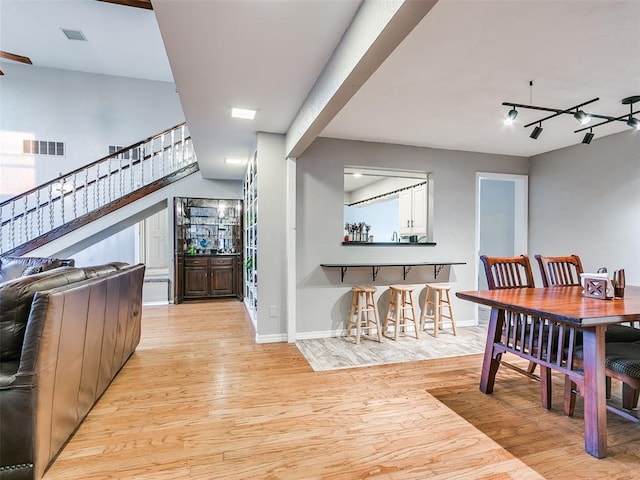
x: 585, y: 200
x: 322, y: 300
x: 88, y: 112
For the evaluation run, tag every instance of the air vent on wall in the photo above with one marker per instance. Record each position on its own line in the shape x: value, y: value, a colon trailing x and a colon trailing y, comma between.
x: 133, y: 154
x: 42, y: 147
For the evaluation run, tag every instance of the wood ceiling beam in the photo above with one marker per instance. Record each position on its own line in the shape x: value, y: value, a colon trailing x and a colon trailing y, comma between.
x: 132, y: 3
x: 15, y: 58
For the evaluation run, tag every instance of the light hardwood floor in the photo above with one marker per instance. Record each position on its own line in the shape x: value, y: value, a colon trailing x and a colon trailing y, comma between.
x: 200, y: 400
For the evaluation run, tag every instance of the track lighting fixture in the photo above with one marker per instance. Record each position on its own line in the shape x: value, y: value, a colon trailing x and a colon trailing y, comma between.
x: 579, y: 114
x: 634, y: 123
x: 536, y: 131
x: 511, y: 116
x: 587, y: 138
x: 582, y: 117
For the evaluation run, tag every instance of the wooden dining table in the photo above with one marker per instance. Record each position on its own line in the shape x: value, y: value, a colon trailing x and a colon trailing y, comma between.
x: 542, y: 325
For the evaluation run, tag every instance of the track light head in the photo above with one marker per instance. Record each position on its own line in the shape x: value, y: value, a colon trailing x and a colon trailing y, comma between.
x: 634, y: 123
x: 511, y: 116
x: 582, y: 117
x: 587, y: 138
x: 536, y: 132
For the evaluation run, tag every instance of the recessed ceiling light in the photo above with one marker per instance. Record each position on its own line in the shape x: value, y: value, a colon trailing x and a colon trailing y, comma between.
x: 243, y: 113
x: 233, y: 161
x: 74, y: 34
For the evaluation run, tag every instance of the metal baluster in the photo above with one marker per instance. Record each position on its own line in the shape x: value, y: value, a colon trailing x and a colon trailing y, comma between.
x: 99, y: 189
x: 162, y: 157
x: 38, y: 212
x: 173, y: 149
x: 25, y: 220
x: 142, y: 165
x: 109, y: 167
x: 12, y: 228
x: 75, y: 200
x: 182, y: 146
x: 140, y: 159
x: 153, y: 159
x: 21, y: 224
x: 51, y: 206
x: 131, y: 169
x: 86, y: 190
x: 62, y: 182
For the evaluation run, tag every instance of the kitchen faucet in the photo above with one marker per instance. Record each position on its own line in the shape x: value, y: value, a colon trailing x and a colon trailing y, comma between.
x: 394, y: 237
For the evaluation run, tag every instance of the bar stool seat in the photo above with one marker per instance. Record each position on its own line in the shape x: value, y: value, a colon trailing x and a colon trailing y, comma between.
x: 401, y: 310
x: 438, y: 301
x: 363, y: 315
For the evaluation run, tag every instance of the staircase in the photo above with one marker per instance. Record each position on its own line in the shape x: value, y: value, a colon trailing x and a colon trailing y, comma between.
x: 71, y: 201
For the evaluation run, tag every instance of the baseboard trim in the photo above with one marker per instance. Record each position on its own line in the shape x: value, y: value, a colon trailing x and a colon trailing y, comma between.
x: 342, y: 332
x: 282, y: 337
x: 273, y: 338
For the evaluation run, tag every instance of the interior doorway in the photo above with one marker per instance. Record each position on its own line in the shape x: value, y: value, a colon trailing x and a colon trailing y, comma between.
x: 153, y: 251
x: 501, y: 220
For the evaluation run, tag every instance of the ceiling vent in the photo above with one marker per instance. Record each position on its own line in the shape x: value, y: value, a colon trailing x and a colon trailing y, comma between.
x: 74, y: 35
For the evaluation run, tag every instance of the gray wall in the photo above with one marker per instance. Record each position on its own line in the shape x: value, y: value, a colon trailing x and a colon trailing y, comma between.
x: 322, y: 300
x: 586, y: 200
x: 271, y: 265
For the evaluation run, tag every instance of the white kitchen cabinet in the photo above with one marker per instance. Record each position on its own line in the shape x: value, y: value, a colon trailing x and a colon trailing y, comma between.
x: 413, y: 211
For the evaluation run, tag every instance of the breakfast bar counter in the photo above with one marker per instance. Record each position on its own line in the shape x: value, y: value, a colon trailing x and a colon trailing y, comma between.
x: 375, y: 267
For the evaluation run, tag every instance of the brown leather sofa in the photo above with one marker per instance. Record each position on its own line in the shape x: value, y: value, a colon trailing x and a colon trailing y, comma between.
x: 16, y: 267
x: 64, y: 335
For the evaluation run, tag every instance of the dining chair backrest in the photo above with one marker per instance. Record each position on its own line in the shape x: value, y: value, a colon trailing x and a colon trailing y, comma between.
x: 560, y: 271
x: 508, y: 272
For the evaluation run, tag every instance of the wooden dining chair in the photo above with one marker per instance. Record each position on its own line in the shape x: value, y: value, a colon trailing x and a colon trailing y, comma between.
x: 515, y: 272
x: 622, y: 362
x: 556, y: 271
x: 508, y: 272
x: 565, y: 271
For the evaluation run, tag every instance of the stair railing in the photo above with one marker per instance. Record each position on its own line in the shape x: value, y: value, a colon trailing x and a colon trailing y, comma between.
x: 87, y: 189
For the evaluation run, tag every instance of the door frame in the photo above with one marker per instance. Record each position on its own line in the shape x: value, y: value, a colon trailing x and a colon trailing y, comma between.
x: 521, y: 211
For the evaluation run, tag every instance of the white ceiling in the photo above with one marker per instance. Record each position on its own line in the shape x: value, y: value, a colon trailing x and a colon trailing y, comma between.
x: 442, y: 87
x: 121, y: 41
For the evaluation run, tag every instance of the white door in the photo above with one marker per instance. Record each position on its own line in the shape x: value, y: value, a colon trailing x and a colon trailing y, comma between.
x: 155, y: 252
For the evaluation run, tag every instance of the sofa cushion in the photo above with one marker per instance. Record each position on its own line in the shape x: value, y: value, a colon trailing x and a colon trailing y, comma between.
x: 99, y: 270
x: 33, y: 269
x: 14, y: 267
x: 15, y: 303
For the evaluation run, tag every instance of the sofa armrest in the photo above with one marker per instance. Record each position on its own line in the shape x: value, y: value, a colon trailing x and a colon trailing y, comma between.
x: 6, y: 380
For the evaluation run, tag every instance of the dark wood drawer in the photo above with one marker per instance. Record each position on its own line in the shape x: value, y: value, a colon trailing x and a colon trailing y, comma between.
x: 217, y: 261
x: 196, y: 261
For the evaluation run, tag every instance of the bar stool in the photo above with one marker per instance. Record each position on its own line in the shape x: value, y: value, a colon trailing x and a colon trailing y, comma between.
x: 400, y: 303
x: 437, y: 297
x: 362, y: 306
